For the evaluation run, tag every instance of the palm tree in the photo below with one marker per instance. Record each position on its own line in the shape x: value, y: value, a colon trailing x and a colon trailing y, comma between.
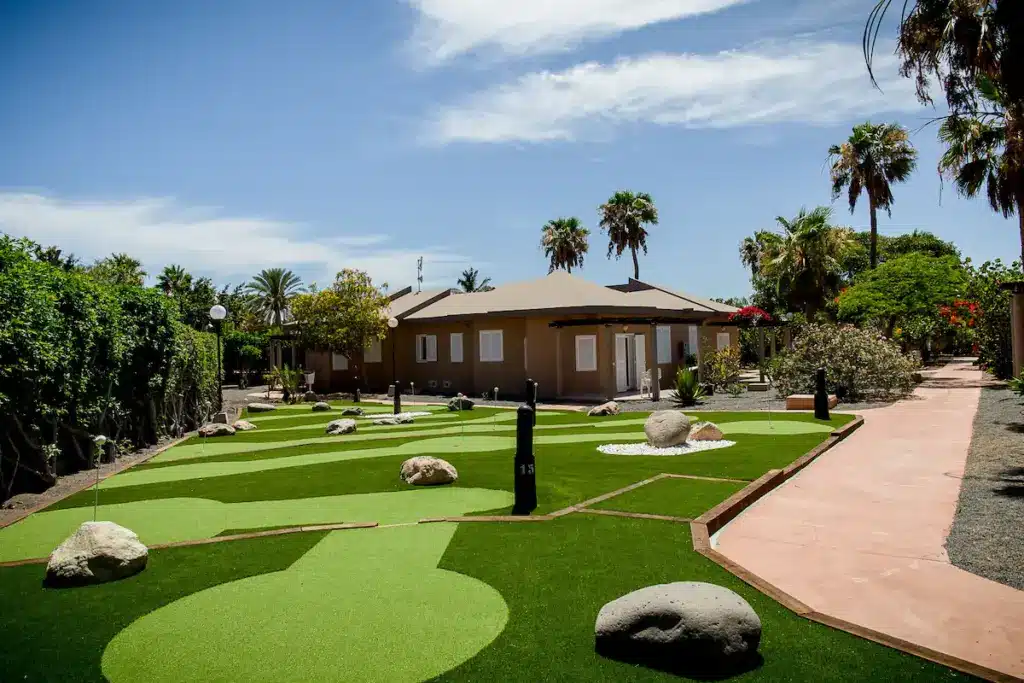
x: 272, y: 289
x: 468, y: 282
x: 871, y: 159
x: 623, y: 217
x: 119, y: 269
x: 173, y: 280
x: 564, y: 241
x: 805, y: 261
x: 982, y: 151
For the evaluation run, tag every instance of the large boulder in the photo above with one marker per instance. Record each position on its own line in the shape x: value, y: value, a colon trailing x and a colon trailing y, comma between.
x: 260, y: 407
x: 243, y: 426
x: 705, y: 431
x: 666, y: 428
x: 460, y: 402
x: 216, y: 429
x: 609, y: 408
x: 428, y: 471
x: 341, y: 426
x: 353, y: 411
x: 687, y: 627
x: 97, y: 552
x: 310, y: 397
x: 321, y: 407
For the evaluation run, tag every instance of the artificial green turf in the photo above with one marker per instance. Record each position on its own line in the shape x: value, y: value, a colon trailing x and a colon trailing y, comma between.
x: 362, y: 605
x: 555, y: 576
x: 59, y: 634
x: 688, y: 498
x: 172, y: 520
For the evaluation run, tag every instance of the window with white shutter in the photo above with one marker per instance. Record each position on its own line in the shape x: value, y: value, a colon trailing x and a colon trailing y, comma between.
x: 723, y: 340
x: 456, y: 347
x: 426, y: 348
x: 372, y: 352
x: 586, y: 353
x: 664, y: 344
x: 491, y: 346
x: 339, y: 361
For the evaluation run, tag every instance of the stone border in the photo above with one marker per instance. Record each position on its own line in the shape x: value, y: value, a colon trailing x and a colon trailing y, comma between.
x: 116, y: 470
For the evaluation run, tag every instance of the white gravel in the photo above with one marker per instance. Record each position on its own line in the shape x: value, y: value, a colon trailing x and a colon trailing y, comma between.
x: 384, y: 416
x: 647, y: 449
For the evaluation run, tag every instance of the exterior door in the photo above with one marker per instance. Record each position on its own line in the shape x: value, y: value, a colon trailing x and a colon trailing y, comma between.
x: 621, y: 362
x: 640, y: 354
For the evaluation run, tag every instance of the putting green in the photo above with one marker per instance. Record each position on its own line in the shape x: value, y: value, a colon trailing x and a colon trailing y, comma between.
x: 172, y: 520
x: 436, y: 446
x: 769, y: 427
x: 368, y: 605
x: 201, y: 448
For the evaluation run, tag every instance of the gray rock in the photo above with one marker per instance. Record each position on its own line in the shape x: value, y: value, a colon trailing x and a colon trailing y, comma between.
x: 97, y: 552
x: 460, y: 403
x: 358, y: 412
x: 261, y: 407
x: 341, y: 426
x: 216, y: 429
x: 705, y: 431
x: 667, y: 428
x: 243, y: 426
x: 686, y: 626
x: 427, y: 471
x: 609, y: 408
x: 221, y: 418
x: 310, y: 397
x: 321, y: 406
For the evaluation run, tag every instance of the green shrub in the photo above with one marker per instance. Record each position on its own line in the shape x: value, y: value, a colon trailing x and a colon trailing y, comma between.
x: 191, y: 391
x: 688, y: 390
x: 721, y: 367
x: 858, y: 363
x: 992, y: 326
x: 735, y: 389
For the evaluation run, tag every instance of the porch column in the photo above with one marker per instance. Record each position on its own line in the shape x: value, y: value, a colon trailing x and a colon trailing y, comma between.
x: 653, y: 362
x: 606, y: 360
x: 760, y: 352
x: 558, y: 362
x: 772, y: 345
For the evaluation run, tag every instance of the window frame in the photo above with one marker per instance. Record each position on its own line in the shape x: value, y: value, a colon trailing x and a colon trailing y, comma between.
x: 423, y: 343
x: 451, y: 347
x: 592, y: 338
x: 368, y: 358
x: 664, y: 349
x: 335, y: 366
x: 501, y: 346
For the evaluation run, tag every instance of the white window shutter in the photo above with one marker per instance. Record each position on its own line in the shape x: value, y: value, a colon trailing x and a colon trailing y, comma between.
x: 432, y: 348
x: 456, y: 347
x: 664, y: 337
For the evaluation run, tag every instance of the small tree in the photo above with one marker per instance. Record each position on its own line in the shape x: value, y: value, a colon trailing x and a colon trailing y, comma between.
x: 344, y: 317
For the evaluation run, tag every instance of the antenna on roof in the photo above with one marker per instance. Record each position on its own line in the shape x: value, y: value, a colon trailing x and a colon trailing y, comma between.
x: 419, y: 274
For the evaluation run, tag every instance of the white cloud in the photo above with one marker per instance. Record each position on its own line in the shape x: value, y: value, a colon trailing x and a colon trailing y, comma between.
x: 159, y: 232
x: 449, y: 28
x: 798, y: 82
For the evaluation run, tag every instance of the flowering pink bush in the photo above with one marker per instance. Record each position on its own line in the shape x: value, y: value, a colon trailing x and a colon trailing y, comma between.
x: 751, y: 315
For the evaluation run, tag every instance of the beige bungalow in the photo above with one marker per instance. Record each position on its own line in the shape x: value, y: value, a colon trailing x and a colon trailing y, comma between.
x: 577, y: 339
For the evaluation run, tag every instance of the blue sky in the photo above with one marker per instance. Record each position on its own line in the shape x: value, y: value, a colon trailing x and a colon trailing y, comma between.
x: 244, y: 134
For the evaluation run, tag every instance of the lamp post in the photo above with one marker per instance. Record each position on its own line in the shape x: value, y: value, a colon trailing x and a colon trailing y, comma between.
x: 393, y: 324
x: 217, y: 314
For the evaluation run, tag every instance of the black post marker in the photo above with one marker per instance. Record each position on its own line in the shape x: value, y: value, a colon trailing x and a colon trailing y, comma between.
x: 398, y: 397
x: 531, y: 397
x: 525, y: 473
x: 820, y: 395
x: 357, y: 396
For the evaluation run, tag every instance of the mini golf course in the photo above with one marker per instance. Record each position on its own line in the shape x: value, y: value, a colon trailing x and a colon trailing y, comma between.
x: 405, y: 600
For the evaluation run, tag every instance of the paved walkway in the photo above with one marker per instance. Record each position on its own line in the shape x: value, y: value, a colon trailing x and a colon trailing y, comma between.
x: 859, y: 535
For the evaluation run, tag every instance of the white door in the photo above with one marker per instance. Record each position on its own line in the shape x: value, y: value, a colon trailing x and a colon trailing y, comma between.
x: 621, y: 362
x: 641, y: 358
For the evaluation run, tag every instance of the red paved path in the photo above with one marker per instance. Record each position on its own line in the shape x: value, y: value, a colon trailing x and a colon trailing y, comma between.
x: 860, y: 533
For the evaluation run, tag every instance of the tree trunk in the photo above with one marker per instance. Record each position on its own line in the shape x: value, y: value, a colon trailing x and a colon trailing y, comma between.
x: 873, y: 251
x: 636, y: 266
x: 1020, y: 218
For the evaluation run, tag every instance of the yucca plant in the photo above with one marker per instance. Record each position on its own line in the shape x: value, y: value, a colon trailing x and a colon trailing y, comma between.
x: 688, y: 389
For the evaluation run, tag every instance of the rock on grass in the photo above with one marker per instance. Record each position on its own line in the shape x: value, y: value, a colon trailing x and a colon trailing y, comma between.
x: 96, y: 553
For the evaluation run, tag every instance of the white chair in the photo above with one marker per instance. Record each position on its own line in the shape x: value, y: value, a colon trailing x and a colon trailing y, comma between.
x: 645, y: 381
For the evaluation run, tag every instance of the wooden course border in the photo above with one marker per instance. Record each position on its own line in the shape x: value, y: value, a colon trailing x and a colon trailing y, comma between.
x: 715, y: 519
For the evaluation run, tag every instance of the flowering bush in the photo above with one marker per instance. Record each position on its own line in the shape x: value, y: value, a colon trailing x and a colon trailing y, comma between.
x: 751, y: 315
x: 721, y: 367
x: 858, y: 363
x: 960, y: 313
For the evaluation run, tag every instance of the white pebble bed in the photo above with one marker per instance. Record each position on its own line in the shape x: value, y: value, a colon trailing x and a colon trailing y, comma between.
x: 384, y: 416
x: 647, y: 449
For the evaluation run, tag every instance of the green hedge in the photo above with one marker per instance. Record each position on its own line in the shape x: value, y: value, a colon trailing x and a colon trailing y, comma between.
x: 78, y: 358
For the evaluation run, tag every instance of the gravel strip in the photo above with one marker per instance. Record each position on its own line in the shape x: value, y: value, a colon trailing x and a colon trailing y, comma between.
x: 987, y: 537
x: 647, y: 449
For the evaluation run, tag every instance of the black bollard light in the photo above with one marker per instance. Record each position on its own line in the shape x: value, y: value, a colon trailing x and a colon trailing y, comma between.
x: 525, y: 476
x: 820, y: 395
x: 531, y: 398
x: 356, y: 396
x: 398, y: 397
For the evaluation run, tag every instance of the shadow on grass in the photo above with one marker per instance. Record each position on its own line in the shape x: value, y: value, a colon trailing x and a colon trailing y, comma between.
x: 679, y: 663
x: 1012, y: 479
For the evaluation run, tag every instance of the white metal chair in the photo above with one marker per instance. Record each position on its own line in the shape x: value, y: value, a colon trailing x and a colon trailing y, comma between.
x: 646, y: 383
